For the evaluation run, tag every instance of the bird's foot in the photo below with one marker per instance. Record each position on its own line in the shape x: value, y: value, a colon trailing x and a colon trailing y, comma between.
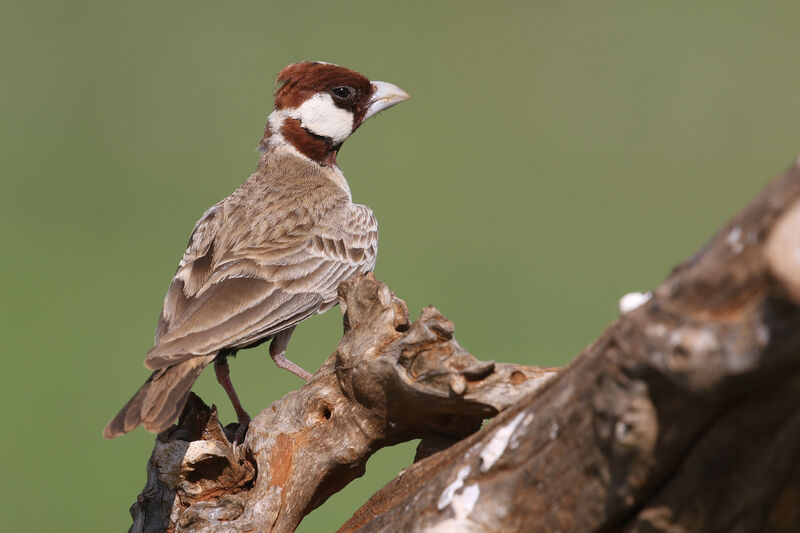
x: 297, y: 370
x: 241, y: 431
x: 236, y: 432
x: 277, y: 350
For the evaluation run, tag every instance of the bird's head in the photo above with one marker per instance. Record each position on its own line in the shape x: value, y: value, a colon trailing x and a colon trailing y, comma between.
x: 319, y: 105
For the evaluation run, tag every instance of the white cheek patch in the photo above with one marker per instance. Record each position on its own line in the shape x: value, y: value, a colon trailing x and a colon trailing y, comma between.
x: 322, y: 117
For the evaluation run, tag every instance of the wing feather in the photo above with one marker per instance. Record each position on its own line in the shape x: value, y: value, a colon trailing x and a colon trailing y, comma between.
x: 231, y: 297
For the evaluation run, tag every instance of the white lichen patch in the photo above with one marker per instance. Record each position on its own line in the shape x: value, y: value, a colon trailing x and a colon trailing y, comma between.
x: 734, y: 240
x: 633, y: 300
x: 462, y: 505
x: 472, y: 450
x: 694, y: 340
x: 449, y: 491
x: 514, y: 443
x: 553, y: 430
x: 492, y: 452
x: 464, y: 502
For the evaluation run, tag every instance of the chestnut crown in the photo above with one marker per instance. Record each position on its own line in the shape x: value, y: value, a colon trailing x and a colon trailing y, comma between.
x: 319, y: 105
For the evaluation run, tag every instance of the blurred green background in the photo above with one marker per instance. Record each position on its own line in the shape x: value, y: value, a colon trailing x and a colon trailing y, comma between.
x: 554, y: 156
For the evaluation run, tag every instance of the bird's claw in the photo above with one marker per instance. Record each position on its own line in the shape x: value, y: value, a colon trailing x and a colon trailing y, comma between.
x: 241, y: 430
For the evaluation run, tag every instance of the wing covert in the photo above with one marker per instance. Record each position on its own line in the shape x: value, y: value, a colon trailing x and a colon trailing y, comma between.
x: 233, y: 296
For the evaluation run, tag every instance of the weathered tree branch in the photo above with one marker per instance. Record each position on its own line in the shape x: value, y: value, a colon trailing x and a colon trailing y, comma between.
x: 683, y: 416
x: 388, y: 382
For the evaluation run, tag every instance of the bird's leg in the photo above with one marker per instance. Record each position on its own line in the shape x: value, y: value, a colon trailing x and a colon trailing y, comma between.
x: 224, y: 378
x: 277, y: 350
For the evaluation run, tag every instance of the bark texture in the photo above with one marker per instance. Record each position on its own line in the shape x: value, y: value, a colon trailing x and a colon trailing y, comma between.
x: 683, y: 416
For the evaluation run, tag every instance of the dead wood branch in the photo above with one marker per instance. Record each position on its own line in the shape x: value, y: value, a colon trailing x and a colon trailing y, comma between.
x: 683, y: 416
x: 388, y: 382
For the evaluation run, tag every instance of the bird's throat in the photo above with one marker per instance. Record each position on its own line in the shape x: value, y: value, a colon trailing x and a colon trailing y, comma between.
x: 319, y: 149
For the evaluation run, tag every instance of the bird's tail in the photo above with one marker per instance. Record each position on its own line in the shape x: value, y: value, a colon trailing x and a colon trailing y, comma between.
x: 160, y: 400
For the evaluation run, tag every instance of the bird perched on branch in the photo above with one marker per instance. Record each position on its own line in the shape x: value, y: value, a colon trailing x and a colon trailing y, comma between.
x: 272, y: 253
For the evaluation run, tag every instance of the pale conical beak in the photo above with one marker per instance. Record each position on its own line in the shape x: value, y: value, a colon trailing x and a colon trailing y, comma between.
x: 385, y: 96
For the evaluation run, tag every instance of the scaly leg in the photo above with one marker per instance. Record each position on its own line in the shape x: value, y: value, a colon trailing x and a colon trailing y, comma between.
x: 277, y: 350
x: 224, y: 378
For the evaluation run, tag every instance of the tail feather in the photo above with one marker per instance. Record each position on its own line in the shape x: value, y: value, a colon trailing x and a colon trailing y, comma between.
x: 160, y: 400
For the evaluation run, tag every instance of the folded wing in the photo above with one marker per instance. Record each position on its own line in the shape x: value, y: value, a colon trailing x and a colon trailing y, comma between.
x: 233, y: 295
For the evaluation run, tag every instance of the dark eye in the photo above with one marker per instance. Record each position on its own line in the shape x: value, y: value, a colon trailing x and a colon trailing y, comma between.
x: 342, y: 92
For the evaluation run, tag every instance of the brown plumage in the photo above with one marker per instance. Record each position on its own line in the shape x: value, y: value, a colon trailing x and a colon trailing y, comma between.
x: 273, y: 253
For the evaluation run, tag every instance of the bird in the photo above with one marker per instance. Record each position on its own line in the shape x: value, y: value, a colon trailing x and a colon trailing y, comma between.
x: 271, y: 254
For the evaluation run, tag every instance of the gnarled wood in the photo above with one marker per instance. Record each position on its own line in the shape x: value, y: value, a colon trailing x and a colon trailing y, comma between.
x: 388, y: 382
x: 683, y: 416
